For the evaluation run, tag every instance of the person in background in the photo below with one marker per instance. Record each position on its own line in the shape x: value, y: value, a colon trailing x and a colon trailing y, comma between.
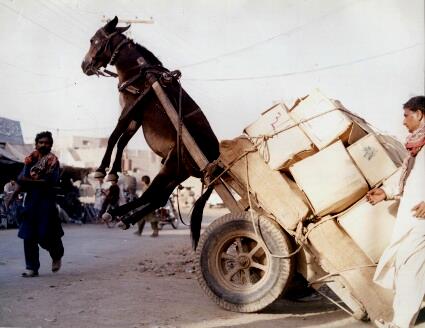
x: 40, y: 224
x: 9, y: 189
x: 149, y: 217
x: 99, y: 196
x: 129, y: 186
x: 112, y: 200
x: 12, y: 204
x: 402, y: 265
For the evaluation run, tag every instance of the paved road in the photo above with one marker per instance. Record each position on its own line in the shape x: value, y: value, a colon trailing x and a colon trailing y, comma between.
x: 112, y: 278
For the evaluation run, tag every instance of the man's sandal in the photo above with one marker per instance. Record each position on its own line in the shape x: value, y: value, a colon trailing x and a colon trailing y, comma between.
x: 56, y: 265
x: 29, y: 274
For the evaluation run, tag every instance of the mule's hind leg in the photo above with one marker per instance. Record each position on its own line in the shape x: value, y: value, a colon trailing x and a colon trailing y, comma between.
x: 156, y: 195
x: 122, y: 142
x: 160, y: 198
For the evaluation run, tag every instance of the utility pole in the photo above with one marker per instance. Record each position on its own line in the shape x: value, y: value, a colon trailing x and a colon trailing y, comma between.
x: 136, y: 20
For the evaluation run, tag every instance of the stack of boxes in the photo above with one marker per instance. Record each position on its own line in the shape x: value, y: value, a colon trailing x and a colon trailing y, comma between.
x: 334, y: 158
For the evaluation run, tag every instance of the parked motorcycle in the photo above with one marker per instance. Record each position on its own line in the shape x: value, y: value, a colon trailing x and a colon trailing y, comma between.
x: 167, y: 215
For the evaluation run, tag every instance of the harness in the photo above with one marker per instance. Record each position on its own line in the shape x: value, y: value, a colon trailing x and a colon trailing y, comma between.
x: 150, y: 74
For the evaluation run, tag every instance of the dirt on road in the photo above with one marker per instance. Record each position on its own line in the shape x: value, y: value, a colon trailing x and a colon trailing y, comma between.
x: 113, y: 278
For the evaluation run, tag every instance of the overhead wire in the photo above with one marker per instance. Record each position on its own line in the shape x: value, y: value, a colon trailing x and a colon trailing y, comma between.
x: 70, y: 13
x: 35, y: 92
x: 63, y: 17
x: 20, y: 14
x: 286, y: 33
x: 26, y: 70
x: 313, y: 70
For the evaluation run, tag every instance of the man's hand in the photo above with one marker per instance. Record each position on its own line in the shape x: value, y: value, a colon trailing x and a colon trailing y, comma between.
x: 375, y: 196
x: 419, y: 210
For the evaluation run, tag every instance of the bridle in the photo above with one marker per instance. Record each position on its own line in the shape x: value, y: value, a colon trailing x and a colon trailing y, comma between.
x: 104, y: 47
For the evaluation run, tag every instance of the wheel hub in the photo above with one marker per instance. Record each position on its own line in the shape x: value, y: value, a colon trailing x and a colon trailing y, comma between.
x: 244, y: 261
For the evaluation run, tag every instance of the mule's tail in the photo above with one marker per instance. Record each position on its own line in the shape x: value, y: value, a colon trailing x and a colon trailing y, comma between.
x: 196, y: 217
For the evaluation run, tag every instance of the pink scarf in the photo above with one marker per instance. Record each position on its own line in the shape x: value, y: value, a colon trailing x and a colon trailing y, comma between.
x: 41, y: 165
x: 414, y: 143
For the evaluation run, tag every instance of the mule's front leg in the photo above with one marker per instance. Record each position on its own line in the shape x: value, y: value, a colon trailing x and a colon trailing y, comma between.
x: 113, y: 139
x: 122, y: 143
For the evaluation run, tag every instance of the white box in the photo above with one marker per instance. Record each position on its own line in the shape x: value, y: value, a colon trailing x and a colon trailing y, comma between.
x: 370, y: 226
x: 330, y: 179
x: 285, y: 147
x: 372, y: 159
x: 320, y: 119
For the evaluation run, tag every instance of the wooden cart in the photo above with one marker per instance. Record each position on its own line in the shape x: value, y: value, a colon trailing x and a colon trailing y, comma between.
x: 246, y: 259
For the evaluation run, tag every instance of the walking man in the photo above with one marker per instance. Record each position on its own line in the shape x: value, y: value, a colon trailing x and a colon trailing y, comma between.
x: 40, y: 223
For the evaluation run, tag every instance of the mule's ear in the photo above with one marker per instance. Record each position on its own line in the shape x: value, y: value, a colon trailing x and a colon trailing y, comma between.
x: 111, y: 25
x: 122, y: 29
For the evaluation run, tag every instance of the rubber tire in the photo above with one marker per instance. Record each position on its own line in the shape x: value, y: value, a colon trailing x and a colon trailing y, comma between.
x: 276, y: 280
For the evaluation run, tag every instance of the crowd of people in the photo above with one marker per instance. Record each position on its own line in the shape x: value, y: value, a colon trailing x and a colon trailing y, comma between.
x: 68, y: 198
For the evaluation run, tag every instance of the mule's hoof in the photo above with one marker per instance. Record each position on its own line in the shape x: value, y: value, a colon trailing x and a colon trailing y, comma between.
x: 99, y: 174
x: 122, y: 225
x: 112, y: 177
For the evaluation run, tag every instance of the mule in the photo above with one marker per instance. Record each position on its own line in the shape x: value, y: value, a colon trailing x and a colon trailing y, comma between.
x: 142, y: 108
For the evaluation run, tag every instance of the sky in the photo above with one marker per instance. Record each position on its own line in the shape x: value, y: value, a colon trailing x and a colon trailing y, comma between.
x: 236, y: 57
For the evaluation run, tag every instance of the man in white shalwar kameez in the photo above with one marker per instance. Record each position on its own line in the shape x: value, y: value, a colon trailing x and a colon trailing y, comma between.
x: 402, y: 265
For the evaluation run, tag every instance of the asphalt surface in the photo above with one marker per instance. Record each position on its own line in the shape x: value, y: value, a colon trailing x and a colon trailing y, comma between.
x: 112, y: 278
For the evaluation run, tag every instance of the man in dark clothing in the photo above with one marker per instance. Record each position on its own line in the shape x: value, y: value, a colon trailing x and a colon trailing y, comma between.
x: 40, y: 224
x: 111, y: 201
x: 150, y: 217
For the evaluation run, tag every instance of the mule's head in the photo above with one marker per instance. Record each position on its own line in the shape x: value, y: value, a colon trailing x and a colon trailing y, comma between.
x: 101, y: 47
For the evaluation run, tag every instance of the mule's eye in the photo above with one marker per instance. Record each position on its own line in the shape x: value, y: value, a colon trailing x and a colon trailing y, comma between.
x: 96, y: 41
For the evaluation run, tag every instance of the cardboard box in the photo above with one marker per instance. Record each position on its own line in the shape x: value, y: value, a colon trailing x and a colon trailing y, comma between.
x: 287, y: 144
x: 330, y: 180
x: 275, y: 192
x: 370, y: 226
x: 372, y: 159
x: 320, y: 119
x: 353, y: 134
x: 395, y: 149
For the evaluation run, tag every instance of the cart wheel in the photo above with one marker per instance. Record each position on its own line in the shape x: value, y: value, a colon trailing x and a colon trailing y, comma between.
x: 235, y: 268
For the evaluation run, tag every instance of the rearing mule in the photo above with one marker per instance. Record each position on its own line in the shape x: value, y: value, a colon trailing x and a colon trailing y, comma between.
x: 141, y: 107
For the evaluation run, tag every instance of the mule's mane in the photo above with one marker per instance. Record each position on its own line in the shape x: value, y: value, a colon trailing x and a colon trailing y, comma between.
x: 147, y: 55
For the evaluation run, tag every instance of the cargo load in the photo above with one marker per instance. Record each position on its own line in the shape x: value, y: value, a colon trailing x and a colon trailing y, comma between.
x: 275, y: 192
